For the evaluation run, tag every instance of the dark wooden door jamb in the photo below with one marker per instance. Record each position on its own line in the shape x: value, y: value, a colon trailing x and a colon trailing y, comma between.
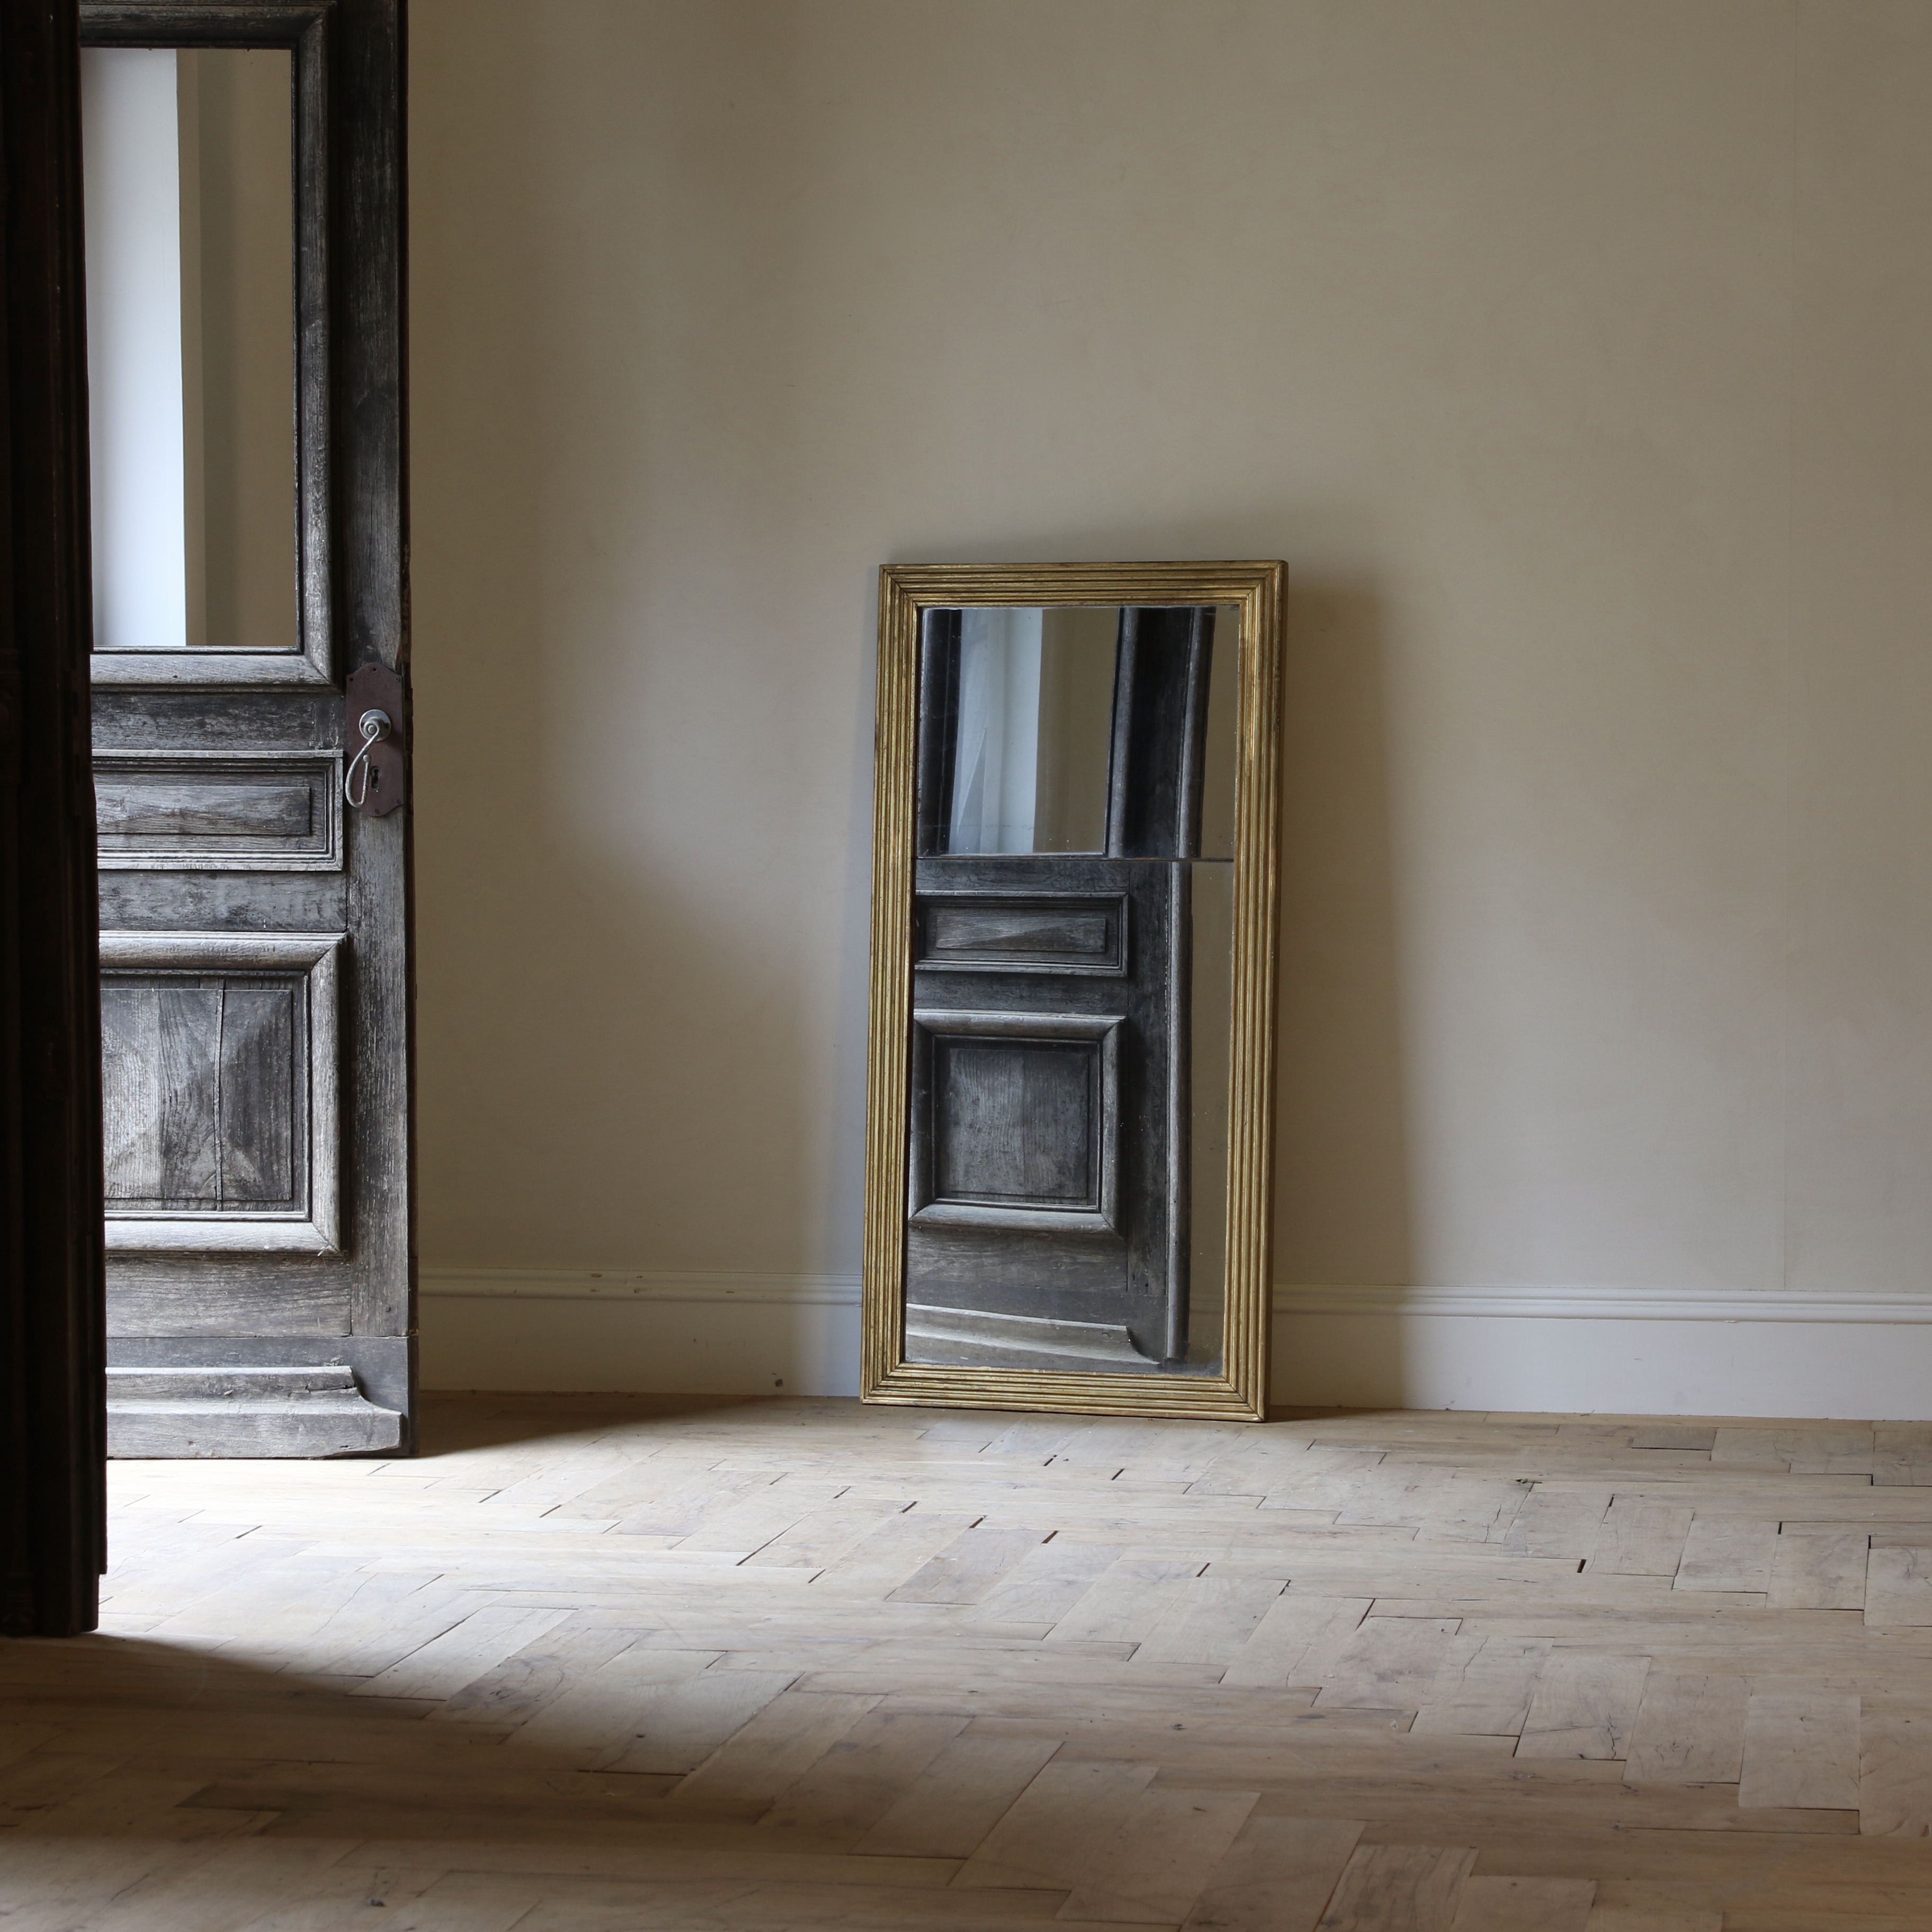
x: 52, y: 1355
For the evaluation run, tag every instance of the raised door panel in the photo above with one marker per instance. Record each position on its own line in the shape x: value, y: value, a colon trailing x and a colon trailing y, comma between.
x: 242, y: 811
x: 1016, y: 1121
x: 219, y: 1055
x: 206, y: 1094
x: 1009, y: 932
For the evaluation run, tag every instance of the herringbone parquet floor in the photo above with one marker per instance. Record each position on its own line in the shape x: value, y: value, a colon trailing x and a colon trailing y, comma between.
x: 597, y: 1662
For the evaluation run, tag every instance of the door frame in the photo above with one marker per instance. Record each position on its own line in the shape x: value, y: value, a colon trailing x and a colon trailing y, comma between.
x: 52, y: 1325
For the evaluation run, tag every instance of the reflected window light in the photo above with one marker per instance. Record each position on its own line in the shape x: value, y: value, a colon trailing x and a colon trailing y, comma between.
x: 131, y: 151
x: 995, y: 787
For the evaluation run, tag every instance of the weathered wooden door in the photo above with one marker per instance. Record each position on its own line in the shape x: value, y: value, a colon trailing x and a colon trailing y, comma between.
x: 1061, y: 772
x: 245, y: 260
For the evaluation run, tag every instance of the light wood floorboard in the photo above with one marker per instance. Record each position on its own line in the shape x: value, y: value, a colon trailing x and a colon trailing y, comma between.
x: 739, y: 1665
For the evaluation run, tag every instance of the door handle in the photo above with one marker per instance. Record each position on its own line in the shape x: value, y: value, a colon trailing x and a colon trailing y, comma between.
x: 375, y: 732
x: 374, y: 727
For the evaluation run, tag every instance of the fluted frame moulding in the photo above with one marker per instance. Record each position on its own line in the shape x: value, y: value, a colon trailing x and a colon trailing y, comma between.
x: 906, y: 591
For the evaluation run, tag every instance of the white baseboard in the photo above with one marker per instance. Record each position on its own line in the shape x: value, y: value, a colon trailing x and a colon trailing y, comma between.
x: 1595, y: 1350
x: 1600, y: 1303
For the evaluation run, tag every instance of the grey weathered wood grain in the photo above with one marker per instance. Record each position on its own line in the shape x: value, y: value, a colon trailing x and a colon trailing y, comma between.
x: 223, y: 902
x: 215, y: 722
x: 379, y: 1362
x: 154, y: 1413
x: 197, y: 809
x: 1009, y: 932
x: 233, y: 810
x: 1016, y: 1124
x: 186, y: 1044
x: 131, y: 1092
x: 198, y: 1297
x: 231, y: 1044
x: 205, y: 1093
x: 261, y: 1087
x: 161, y: 1052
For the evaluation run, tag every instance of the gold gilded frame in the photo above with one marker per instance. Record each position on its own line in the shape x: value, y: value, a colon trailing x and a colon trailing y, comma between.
x: 906, y: 591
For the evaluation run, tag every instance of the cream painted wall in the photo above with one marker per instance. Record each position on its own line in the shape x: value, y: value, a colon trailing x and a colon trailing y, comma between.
x: 1577, y: 355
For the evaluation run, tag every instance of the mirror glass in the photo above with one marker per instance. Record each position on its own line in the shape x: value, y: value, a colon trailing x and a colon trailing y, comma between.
x: 1034, y: 712
x: 1072, y: 959
x: 189, y: 183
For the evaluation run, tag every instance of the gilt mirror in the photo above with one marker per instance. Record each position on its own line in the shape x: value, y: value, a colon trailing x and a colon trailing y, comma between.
x: 1068, y: 1170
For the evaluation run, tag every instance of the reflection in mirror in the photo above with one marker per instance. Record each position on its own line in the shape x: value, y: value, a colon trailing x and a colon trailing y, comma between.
x: 1073, y: 953
x: 1034, y: 700
x: 188, y: 162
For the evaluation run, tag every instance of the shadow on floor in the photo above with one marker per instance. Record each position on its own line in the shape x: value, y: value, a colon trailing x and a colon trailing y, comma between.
x: 151, y: 1787
x: 165, y: 1740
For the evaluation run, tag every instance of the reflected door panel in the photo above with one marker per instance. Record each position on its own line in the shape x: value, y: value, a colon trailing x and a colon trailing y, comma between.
x: 1065, y: 762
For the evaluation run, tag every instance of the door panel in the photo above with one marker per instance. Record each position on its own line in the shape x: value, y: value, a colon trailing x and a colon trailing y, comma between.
x: 1006, y: 933
x: 175, y: 1049
x: 238, y: 812
x: 220, y: 1063
x: 1016, y: 1121
x: 255, y: 944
